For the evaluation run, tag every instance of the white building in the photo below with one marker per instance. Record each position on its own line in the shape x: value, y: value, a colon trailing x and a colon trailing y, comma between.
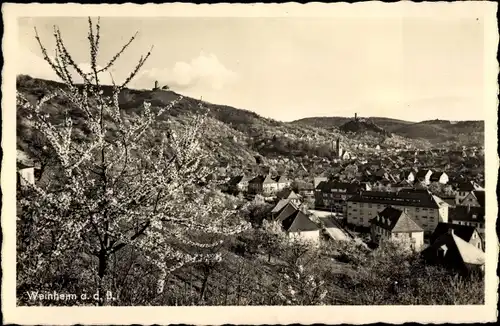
x: 299, y: 227
x: 396, y: 225
x: 464, y: 189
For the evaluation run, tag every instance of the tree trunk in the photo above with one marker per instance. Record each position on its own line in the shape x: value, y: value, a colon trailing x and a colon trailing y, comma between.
x: 103, y: 260
x: 204, y: 285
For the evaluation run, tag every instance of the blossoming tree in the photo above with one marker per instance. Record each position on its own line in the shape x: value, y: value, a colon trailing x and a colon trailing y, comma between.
x: 126, y: 183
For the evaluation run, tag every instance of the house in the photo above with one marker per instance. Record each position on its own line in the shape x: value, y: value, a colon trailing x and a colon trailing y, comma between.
x: 474, y: 198
x: 424, y: 176
x: 404, y: 184
x: 382, y: 174
x: 281, y: 213
x: 239, y: 183
x: 440, y: 177
x: 298, y: 226
x: 396, y: 225
x: 305, y: 189
x: 426, y: 209
x: 288, y: 194
x: 282, y: 203
x: 452, y: 252
x: 468, y: 215
x: 465, y: 232
x: 269, y: 185
x: 255, y: 185
x: 334, y: 194
x: 449, y: 200
x: 25, y: 169
x: 282, y: 182
x: 464, y: 189
x: 318, y: 180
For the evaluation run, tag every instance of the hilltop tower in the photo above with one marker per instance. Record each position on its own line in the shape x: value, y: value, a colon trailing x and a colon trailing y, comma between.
x: 355, y: 116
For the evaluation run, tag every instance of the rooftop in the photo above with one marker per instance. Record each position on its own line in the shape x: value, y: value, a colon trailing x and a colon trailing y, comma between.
x: 396, y: 221
x: 298, y: 221
x: 467, y: 213
x: 465, y: 232
x: 418, y: 198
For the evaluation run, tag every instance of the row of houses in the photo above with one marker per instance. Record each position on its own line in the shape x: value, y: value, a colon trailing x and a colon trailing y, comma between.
x: 334, y: 195
x: 260, y: 184
x: 453, y: 245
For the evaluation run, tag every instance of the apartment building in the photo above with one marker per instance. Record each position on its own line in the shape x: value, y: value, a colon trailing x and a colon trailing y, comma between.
x: 426, y: 209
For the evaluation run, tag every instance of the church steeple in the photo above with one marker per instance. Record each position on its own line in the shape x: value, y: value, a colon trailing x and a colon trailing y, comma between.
x: 338, y: 148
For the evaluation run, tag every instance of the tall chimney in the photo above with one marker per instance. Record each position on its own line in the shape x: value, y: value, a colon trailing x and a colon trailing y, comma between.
x: 355, y: 116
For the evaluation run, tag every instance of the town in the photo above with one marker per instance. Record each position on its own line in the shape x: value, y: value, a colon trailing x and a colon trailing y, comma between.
x: 166, y: 199
x: 395, y: 195
x: 438, y: 210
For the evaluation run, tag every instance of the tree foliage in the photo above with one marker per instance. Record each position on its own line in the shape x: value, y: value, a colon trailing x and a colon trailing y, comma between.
x: 124, y: 186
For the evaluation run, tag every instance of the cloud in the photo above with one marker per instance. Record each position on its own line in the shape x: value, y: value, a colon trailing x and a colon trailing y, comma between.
x: 204, y: 72
x: 35, y: 66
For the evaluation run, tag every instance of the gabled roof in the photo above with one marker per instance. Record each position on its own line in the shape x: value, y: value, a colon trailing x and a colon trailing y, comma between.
x: 396, y: 221
x: 298, y: 222
x: 288, y: 194
x: 404, y: 183
x: 455, y: 248
x: 268, y: 179
x: 437, y: 175
x: 465, y: 232
x: 280, y: 205
x: 480, y: 196
x: 470, y: 253
x: 257, y: 179
x: 235, y: 180
x: 468, y: 186
x: 422, y: 173
x: 286, y: 211
x: 466, y: 213
x: 281, y: 179
x: 245, y: 179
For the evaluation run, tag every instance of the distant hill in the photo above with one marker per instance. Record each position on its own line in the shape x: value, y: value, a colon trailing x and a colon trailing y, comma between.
x: 363, y: 126
x: 435, y: 131
x: 328, y: 122
x: 237, y: 137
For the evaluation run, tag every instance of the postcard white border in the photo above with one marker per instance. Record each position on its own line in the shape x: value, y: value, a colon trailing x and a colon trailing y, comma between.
x: 247, y: 315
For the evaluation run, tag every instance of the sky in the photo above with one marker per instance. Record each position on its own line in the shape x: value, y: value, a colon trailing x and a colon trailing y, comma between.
x: 289, y: 68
